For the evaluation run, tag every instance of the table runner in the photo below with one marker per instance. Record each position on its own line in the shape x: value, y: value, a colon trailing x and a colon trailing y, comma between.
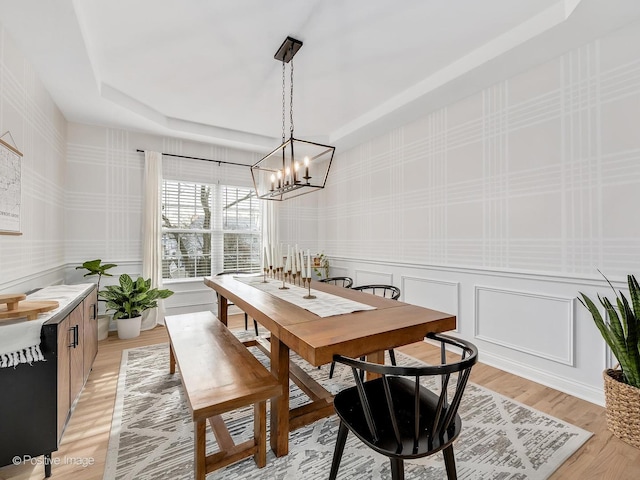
x: 324, y: 305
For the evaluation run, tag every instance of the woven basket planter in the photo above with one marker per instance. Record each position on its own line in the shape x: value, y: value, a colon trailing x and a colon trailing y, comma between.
x: 622, y: 407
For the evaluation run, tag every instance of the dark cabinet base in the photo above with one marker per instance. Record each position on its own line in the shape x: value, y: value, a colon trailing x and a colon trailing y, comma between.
x: 28, y: 405
x: 31, y: 416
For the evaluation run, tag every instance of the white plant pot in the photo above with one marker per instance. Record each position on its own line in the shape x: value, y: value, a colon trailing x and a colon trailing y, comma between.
x: 103, y: 326
x: 129, y: 327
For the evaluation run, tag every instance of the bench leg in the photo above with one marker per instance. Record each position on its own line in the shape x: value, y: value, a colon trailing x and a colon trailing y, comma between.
x: 200, y: 450
x: 172, y: 360
x: 260, y: 432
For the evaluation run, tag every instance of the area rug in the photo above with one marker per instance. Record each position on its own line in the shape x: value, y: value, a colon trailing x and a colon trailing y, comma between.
x: 152, y: 434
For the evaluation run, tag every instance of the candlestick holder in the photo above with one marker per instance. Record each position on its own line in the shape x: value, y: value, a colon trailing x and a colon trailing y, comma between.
x: 284, y: 287
x: 293, y: 274
x: 308, y: 296
x: 264, y: 277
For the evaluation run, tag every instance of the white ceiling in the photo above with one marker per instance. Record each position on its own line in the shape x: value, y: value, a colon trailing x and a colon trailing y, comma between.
x: 204, y: 69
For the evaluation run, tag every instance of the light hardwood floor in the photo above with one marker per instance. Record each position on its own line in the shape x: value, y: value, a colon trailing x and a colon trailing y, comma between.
x: 603, y: 457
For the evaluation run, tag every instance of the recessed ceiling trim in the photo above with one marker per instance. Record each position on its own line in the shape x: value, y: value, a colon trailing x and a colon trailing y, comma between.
x: 236, y: 138
x: 491, y: 50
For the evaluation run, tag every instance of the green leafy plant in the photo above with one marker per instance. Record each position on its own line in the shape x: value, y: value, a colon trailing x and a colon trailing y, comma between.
x: 96, y: 267
x: 621, y: 328
x: 130, y: 299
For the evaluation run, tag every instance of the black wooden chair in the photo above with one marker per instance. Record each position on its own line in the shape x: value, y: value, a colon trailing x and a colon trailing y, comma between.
x: 345, y: 282
x: 397, y: 416
x: 229, y: 304
x: 387, y: 291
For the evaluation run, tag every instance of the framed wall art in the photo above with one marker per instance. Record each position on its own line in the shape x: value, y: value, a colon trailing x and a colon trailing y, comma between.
x: 10, y: 188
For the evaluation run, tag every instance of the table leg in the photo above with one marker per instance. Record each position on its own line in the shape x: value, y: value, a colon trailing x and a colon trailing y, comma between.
x: 222, y: 309
x: 375, y: 357
x: 280, y: 405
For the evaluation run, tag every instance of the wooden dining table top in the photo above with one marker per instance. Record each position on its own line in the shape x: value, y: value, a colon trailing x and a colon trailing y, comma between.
x: 316, y: 339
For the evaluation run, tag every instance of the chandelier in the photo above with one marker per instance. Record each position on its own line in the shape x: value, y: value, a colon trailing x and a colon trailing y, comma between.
x: 297, y: 166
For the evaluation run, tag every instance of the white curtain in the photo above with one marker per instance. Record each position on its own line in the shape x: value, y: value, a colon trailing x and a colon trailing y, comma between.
x: 269, y: 224
x: 152, y: 234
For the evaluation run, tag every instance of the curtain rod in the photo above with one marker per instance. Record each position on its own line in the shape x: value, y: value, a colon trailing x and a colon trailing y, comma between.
x: 203, y: 159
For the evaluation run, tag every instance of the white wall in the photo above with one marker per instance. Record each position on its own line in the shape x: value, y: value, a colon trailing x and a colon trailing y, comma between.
x: 501, y: 207
x: 35, y: 258
x: 103, y: 202
x: 498, y: 208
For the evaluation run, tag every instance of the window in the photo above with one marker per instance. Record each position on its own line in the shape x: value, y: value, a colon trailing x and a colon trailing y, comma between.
x: 208, y: 229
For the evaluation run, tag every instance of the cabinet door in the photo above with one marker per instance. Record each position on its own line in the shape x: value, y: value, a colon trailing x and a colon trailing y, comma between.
x: 90, y: 340
x: 76, y: 359
x: 65, y: 336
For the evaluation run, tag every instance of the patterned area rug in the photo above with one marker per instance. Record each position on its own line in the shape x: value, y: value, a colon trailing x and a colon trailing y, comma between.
x: 152, y: 435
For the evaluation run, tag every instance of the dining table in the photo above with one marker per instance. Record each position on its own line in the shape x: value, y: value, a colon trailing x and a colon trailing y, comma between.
x: 381, y: 325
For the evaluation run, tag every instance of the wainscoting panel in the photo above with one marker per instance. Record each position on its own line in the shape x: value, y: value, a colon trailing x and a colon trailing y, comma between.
x: 367, y: 277
x: 528, y: 322
x: 338, y: 272
x: 431, y: 293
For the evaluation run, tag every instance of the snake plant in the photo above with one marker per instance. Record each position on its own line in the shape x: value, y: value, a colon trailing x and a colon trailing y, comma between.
x: 621, y: 329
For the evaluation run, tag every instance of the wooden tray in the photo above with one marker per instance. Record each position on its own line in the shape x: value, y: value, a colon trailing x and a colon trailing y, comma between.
x: 28, y: 309
x: 12, y: 299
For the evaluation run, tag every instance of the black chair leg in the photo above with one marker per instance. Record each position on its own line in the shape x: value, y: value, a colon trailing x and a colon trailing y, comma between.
x: 343, y: 431
x: 333, y: 367
x: 397, y: 469
x: 246, y: 321
x: 255, y: 325
x: 450, y: 463
x: 392, y: 356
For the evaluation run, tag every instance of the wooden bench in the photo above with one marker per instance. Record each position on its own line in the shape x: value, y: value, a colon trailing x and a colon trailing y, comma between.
x: 219, y: 374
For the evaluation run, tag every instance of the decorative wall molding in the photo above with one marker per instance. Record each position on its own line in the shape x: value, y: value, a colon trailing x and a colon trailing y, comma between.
x: 442, y: 303
x: 369, y: 277
x: 338, y: 271
x: 49, y: 276
x: 521, y: 312
x: 594, y: 280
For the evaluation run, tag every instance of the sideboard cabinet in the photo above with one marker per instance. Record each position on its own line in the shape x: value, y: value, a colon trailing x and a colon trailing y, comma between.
x: 37, y: 399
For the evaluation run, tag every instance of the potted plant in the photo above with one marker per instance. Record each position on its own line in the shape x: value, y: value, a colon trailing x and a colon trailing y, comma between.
x: 321, y: 265
x: 621, y: 331
x: 95, y: 267
x: 129, y: 300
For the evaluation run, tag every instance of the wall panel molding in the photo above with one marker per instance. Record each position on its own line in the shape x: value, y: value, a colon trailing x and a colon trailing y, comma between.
x: 595, y: 280
x: 369, y: 277
x: 537, y: 324
x: 443, y: 295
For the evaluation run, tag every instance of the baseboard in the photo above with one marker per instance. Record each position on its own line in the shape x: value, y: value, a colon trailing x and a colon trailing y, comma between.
x: 562, y: 384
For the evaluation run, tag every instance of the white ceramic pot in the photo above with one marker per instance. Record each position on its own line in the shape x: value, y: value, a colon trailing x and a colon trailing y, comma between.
x: 103, y: 326
x: 129, y: 327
